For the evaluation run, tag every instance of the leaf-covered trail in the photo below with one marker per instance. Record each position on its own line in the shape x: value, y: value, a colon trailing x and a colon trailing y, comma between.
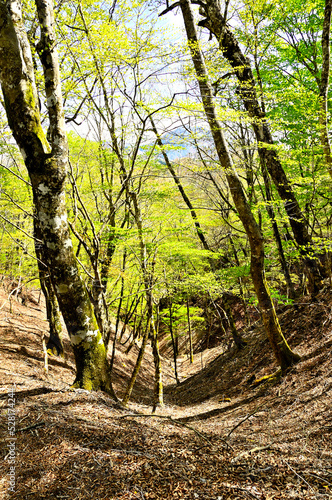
x: 265, y: 443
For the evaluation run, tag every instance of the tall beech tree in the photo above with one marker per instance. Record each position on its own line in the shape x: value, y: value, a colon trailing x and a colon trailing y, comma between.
x: 284, y: 355
x: 216, y: 22
x: 46, y: 159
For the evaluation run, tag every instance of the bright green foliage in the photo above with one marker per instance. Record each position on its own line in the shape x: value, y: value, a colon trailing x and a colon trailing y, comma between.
x: 17, y: 248
x: 115, y: 73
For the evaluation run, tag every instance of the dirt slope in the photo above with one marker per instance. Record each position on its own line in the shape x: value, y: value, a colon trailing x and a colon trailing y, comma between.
x: 22, y: 358
x: 267, y: 442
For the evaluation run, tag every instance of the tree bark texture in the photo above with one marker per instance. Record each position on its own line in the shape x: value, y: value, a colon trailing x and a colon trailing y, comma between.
x: 232, y: 51
x: 55, y: 342
x: 46, y: 160
x: 284, y: 355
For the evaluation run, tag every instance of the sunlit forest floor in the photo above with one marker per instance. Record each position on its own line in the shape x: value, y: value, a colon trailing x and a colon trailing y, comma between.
x: 218, y: 437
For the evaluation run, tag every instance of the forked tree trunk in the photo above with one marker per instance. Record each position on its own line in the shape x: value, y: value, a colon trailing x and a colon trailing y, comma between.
x: 46, y: 160
x: 284, y: 355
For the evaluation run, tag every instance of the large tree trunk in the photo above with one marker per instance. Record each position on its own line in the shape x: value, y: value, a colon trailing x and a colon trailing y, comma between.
x: 284, y: 355
x: 46, y: 161
x: 55, y: 342
x: 232, y: 51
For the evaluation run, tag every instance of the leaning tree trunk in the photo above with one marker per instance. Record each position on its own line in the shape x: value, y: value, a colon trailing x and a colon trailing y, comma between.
x: 284, y: 355
x: 138, y: 364
x: 158, y: 398
x: 237, y: 337
x: 190, y: 333
x: 174, y: 347
x: 46, y: 160
x: 240, y: 342
x: 232, y: 51
x: 184, y: 195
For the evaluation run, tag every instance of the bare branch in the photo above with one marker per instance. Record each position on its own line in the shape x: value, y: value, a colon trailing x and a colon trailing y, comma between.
x: 171, y: 7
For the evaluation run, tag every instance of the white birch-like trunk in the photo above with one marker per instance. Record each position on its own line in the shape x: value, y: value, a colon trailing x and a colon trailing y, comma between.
x: 46, y: 160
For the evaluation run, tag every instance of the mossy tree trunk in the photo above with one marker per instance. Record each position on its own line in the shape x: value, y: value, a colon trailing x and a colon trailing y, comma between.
x: 284, y: 355
x: 55, y: 342
x: 46, y: 159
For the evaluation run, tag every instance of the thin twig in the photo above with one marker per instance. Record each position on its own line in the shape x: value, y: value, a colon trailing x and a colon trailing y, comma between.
x: 20, y: 229
x: 252, y: 413
x: 300, y: 477
x: 256, y: 449
x: 16, y: 175
x: 33, y: 426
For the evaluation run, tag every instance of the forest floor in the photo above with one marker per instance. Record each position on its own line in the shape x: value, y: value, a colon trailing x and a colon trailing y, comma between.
x: 219, y: 436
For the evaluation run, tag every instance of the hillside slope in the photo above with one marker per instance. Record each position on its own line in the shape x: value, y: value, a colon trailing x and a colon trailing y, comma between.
x: 218, y: 437
x: 22, y: 359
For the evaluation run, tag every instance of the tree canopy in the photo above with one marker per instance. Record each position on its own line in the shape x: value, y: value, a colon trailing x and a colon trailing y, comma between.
x: 162, y: 162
